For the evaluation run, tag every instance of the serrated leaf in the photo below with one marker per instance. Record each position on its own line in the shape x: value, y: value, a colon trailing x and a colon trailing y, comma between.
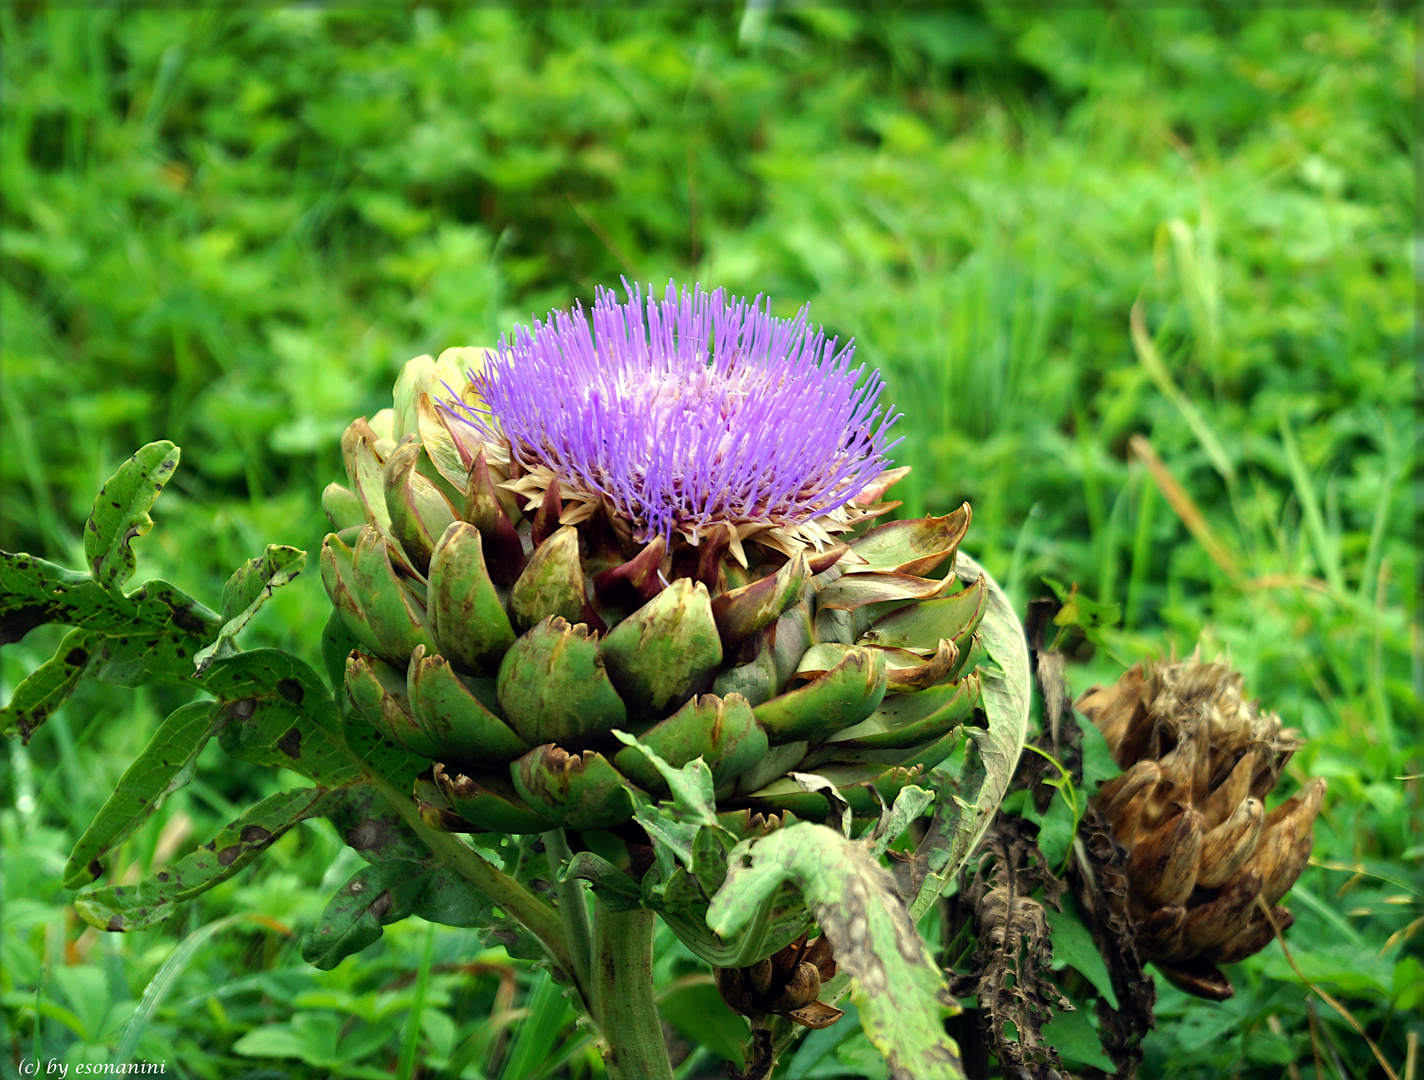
x: 374, y: 897
x: 121, y: 513
x: 48, y: 686
x: 246, y: 591
x: 137, y: 907
x: 896, y: 984
x: 165, y: 765
x: 964, y: 806
x: 673, y: 824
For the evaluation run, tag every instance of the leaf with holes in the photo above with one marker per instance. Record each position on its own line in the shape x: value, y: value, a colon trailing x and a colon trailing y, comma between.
x: 896, y: 984
x: 121, y: 513
x: 165, y: 765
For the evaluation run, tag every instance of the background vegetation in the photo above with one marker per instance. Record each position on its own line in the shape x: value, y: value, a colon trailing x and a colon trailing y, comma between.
x: 229, y: 228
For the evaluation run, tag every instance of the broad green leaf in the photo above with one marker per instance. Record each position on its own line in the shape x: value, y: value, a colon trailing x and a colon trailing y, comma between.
x: 165, y: 765
x: 121, y: 513
x: 137, y: 907
x: 698, y: 1012
x: 246, y: 591
x: 896, y: 984
x: 1073, y: 945
x: 374, y: 897
x: 34, y: 592
x: 965, y: 806
x: 450, y: 900
x: 372, y: 827
x: 909, y: 804
x: 279, y: 705
x: 1073, y: 1036
x: 46, y: 688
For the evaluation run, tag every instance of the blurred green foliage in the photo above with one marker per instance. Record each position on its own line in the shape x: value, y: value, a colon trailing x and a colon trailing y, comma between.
x: 230, y: 227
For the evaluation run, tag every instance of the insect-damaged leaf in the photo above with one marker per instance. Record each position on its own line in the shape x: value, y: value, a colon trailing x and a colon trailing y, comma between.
x: 165, y: 765
x: 964, y: 807
x: 246, y: 591
x: 121, y: 513
x: 280, y: 712
x: 150, y: 634
x: 897, y: 985
x: 46, y: 688
x: 136, y: 907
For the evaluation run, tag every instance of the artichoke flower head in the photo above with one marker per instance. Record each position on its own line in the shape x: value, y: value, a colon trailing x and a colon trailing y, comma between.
x: 652, y: 518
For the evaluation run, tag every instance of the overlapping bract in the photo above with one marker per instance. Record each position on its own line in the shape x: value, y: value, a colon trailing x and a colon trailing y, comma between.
x: 1207, y: 862
x: 507, y: 647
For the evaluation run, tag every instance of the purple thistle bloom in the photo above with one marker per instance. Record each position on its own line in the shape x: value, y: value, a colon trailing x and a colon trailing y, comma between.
x: 693, y: 412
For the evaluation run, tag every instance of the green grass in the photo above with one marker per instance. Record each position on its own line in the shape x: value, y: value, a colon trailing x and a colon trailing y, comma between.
x: 230, y: 228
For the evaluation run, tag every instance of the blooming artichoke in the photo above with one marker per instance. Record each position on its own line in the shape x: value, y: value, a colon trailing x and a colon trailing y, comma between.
x: 1206, y: 861
x: 653, y: 522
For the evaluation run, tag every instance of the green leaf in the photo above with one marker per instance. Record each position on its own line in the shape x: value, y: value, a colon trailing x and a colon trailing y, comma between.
x: 700, y: 1015
x: 165, y: 765
x: 281, y: 713
x: 1073, y: 945
x: 616, y: 890
x: 909, y: 804
x: 450, y: 900
x: 121, y: 513
x: 1098, y: 763
x: 896, y: 984
x: 246, y: 591
x: 1073, y: 1036
x: 964, y: 807
x: 337, y: 641
x: 673, y: 824
x: 375, y: 896
x: 137, y: 907
x: 48, y: 686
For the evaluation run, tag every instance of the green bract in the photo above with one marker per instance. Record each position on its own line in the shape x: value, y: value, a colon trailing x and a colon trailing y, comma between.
x: 508, y: 646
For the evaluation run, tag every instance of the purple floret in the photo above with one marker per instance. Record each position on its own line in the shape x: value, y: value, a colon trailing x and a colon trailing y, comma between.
x: 690, y: 412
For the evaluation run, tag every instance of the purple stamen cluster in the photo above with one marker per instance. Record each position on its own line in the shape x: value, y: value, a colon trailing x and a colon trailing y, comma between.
x: 688, y: 413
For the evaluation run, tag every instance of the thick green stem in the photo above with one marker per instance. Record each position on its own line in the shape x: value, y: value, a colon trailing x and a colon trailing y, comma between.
x: 539, y: 918
x: 573, y: 908
x: 623, y: 1005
